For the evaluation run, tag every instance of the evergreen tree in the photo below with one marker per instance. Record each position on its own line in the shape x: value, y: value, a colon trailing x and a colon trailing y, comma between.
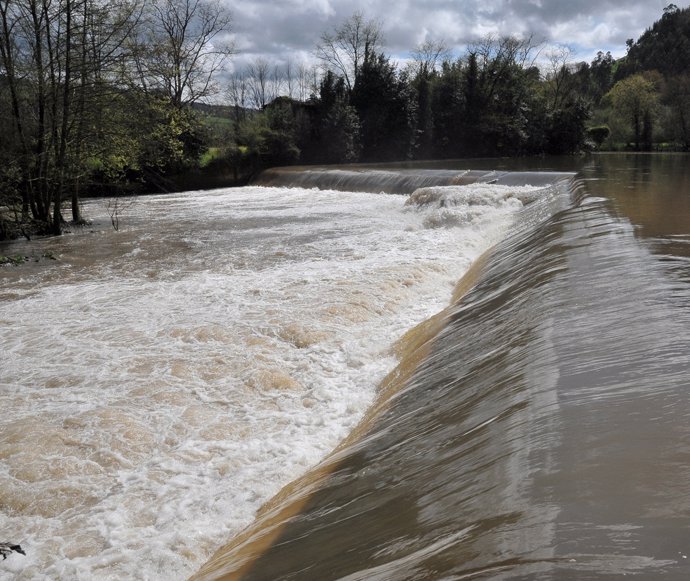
x: 337, y: 123
x: 664, y: 47
x: 448, y: 111
x: 385, y: 106
x: 425, y: 121
x: 601, y: 72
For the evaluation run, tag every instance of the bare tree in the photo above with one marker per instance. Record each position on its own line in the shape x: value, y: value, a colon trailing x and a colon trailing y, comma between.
x: 428, y: 55
x: 349, y: 45
x: 275, y: 86
x: 238, y: 96
x: 289, y: 79
x: 258, y: 79
x: 505, y: 50
x: 495, y: 57
x: 558, y: 76
x: 183, y: 48
x: 302, y: 81
x: 238, y: 90
x: 116, y: 207
x: 308, y: 80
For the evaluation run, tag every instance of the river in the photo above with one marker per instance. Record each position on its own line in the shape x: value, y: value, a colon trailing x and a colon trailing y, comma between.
x: 161, y: 383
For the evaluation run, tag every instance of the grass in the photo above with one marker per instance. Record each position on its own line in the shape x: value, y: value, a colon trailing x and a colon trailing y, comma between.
x: 209, y: 155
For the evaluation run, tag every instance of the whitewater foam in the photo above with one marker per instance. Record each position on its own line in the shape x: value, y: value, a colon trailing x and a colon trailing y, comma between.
x: 161, y: 382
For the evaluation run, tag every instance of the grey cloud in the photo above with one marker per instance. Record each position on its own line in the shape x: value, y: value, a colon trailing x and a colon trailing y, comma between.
x: 275, y: 29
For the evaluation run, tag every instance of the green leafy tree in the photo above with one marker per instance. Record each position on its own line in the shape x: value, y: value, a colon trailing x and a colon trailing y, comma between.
x: 598, y: 134
x: 270, y: 136
x: 677, y: 97
x: 566, y: 132
x: 665, y: 47
x: 280, y: 139
x: 59, y: 61
x: 635, y: 99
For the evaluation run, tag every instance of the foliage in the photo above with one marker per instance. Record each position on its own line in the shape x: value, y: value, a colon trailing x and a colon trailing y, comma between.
x: 72, y: 72
x: 566, y: 129
x: 665, y: 47
x: 677, y: 97
x: 385, y: 109
x: 13, y: 260
x: 649, y: 101
x: 449, y: 103
x: 635, y: 98
x: 336, y: 128
x: 601, y: 75
x: 598, y: 134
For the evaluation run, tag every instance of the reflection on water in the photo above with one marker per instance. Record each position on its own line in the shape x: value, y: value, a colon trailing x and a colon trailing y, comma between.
x: 545, y: 435
x: 652, y: 191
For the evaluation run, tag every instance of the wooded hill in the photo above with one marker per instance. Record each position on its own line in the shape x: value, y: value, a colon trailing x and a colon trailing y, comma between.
x: 649, y: 105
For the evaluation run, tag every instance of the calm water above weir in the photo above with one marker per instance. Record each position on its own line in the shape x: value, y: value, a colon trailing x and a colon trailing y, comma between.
x: 159, y: 384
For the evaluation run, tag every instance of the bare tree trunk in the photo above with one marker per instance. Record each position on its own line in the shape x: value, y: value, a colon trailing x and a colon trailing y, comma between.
x: 59, y: 186
x: 7, y: 60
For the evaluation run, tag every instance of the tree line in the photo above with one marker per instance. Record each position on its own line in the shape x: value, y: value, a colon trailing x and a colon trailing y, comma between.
x: 504, y: 96
x: 492, y: 101
x: 100, y: 91
x: 101, y: 96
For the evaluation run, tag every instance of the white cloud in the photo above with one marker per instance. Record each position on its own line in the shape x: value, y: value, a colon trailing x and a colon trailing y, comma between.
x: 278, y: 29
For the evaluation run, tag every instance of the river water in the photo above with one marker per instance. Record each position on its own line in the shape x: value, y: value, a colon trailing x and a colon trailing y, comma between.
x: 159, y: 384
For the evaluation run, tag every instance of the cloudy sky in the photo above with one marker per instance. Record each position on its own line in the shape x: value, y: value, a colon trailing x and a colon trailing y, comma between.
x: 280, y: 29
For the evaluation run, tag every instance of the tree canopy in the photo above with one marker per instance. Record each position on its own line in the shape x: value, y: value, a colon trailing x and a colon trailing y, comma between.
x: 73, y: 71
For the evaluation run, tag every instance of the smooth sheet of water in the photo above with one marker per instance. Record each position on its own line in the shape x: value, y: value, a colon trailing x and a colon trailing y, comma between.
x: 160, y: 383
x: 545, y: 431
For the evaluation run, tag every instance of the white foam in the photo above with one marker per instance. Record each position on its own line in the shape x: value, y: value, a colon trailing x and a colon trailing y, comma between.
x: 161, y: 382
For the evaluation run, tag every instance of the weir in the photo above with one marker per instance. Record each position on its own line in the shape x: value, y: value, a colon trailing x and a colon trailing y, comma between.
x: 526, y: 434
x: 226, y: 341
x: 252, y: 555
x: 393, y: 180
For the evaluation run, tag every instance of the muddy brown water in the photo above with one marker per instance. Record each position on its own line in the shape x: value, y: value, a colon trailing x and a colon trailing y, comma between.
x: 545, y: 432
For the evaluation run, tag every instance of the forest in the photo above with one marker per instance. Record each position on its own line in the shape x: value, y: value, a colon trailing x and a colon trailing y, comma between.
x: 128, y: 96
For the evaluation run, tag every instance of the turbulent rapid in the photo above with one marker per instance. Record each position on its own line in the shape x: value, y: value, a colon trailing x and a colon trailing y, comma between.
x: 161, y: 382
x: 539, y: 429
x: 479, y: 374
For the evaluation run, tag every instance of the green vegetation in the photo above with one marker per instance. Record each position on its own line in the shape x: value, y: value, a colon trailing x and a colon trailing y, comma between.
x: 492, y: 101
x: 649, y: 105
x: 96, y: 95
x: 106, y: 98
x: 13, y: 260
